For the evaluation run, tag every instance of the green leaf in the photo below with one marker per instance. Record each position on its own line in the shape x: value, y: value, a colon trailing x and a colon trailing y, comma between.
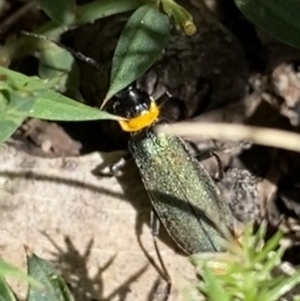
x: 56, y: 62
x: 60, y: 11
x: 7, y: 128
x: 6, y: 293
x: 49, y: 104
x: 8, y: 270
x: 15, y: 107
x: 285, y: 286
x: 141, y: 43
x: 55, y: 288
x: 53, y: 106
x: 213, y: 288
x: 103, y: 8
x: 181, y: 16
x: 279, y: 18
x: 270, y: 245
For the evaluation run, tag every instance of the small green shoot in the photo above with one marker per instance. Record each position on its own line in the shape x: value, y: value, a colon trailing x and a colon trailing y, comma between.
x: 246, y: 271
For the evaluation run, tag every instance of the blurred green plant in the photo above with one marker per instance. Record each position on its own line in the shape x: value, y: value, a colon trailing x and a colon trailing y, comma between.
x: 279, y: 18
x: 247, y: 272
x: 45, y: 283
x: 141, y: 43
x: 22, y: 96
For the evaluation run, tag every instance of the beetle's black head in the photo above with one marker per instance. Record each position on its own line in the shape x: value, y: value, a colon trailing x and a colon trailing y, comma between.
x: 131, y: 102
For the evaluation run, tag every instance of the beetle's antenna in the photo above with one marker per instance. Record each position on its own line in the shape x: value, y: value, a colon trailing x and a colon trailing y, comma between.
x: 76, y: 54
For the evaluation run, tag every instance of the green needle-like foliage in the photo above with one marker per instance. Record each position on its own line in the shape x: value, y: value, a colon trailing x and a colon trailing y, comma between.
x: 247, y: 271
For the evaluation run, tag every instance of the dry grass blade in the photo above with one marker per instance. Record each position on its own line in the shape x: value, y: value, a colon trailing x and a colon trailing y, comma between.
x: 263, y: 136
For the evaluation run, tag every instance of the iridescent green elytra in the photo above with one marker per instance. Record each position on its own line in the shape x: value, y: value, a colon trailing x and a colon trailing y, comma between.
x: 181, y: 191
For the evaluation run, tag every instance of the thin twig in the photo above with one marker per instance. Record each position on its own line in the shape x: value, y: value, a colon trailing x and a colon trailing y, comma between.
x: 263, y: 136
x: 13, y: 18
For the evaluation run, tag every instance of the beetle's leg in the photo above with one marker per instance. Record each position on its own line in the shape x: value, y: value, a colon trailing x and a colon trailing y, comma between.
x: 200, y: 156
x: 220, y: 166
x: 114, y: 169
x: 208, y: 154
x: 154, y: 223
x: 163, y: 98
